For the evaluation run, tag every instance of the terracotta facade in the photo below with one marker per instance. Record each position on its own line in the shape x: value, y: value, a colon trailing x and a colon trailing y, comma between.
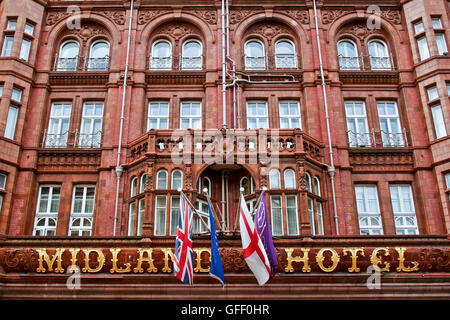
x: 37, y: 155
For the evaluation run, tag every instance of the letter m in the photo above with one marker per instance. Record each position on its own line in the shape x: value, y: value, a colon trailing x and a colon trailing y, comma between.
x: 43, y: 256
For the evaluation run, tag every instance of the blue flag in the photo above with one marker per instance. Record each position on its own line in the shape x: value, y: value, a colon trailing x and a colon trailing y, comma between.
x: 216, y: 269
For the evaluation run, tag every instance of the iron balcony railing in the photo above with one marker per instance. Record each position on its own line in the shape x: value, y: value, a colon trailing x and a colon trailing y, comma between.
x: 377, y: 139
x: 80, y: 63
x: 71, y: 139
x: 366, y: 63
x: 271, y: 62
x: 176, y: 63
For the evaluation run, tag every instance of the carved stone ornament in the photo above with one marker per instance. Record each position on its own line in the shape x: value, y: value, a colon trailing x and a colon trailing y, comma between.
x: 392, y: 15
x: 239, y: 15
x: 210, y: 16
x: 54, y: 17
x: 269, y: 30
x: 146, y: 16
x: 301, y: 15
x: 176, y: 31
x: 116, y: 16
x: 360, y: 30
x: 88, y: 31
x: 328, y: 16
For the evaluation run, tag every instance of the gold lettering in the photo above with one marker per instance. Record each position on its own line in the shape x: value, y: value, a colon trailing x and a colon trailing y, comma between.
x: 401, y: 262
x: 74, y: 252
x: 167, y: 253
x: 101, y: 260
x: 354, y: 252
x: 334, y: 258
x: 375, y: 260
x: 115, y: 252
x: 291, y: 259
x: 148, y: 259
x: 198, y: 267
x: 43, y: 256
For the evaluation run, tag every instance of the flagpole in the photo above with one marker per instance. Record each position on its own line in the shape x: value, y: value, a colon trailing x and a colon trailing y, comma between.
x: 241, y: 189
x: 205, y: 191
x: 193, y: 208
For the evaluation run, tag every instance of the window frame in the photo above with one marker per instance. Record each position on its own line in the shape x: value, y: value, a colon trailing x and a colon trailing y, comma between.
x: 47, y: 214
x: 191, y: 117
x: 82, y: 215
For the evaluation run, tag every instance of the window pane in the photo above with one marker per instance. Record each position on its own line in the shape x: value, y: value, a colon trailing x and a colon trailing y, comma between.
x: 25, y: 49
x: 7, y: 46
x: 277, y: 218
x: 423, y: 48
x: 438, y: 119
x: 11, y: 122
x: 29, y: 29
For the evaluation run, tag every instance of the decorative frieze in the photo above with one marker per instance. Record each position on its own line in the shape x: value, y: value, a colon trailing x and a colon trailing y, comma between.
x: 118, y: 17
x: 146, y: 16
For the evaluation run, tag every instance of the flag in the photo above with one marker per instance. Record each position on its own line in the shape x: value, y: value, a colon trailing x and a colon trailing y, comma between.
x: 263, y: 226
x: 216, y: 268
x: 183, y: 256
x: 254, y: 252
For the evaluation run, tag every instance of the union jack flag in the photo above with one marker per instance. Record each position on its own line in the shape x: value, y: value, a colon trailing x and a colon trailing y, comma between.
x: 183, y: 256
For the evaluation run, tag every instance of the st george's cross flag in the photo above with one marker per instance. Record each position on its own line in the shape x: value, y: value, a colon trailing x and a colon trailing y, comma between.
x: 216, y: 268
x: 263, y: 226
x: 183, y: 255
x: 254, y: 252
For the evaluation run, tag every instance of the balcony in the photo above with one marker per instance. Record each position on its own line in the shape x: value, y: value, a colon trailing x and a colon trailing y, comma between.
x: 80, y: 63
x: 272, y: 62
x: 223, y: 145
x: 376, y: 139
x: 367, y: 70
x: 71, y: 139
x: 176, y: 63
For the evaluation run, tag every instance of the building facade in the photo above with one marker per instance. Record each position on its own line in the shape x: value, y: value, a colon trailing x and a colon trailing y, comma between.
x: 340, y: 109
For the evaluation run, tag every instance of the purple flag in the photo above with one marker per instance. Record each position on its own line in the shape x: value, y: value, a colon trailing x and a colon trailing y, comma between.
x: 263, y: 226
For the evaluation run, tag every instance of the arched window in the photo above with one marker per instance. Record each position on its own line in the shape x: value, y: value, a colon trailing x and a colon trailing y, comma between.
x: 207, y: 185
x: 285, y: 57
x: 379, y: 55
x: 177, y: 179
x: 244, y: 184
x: 68, y: 56
x: 161, y: 179
x: 254, y: 55
x: 99, y: 56
x: 316, y: 186
x: 133, y: 189
x: 142, y: 183
x: 191, y: 55
x: 348, y: 55
x: 161, y: 58
x: 308, y: 182
x: 274, y: 179
x: 289, y: 179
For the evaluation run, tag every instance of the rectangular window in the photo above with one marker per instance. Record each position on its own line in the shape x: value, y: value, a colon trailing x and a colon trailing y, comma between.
x: 202, y: 208
x: 438, y: 120
x: 277, y: 215
x: 432, y: 93
x: 11, y: 122
x: 368, y: 210
x: 291, y: 215
x: 290, y: 117
x: 437, y: 24
x: 160, y: 215
x: 47, y: 210
x: 447, y: 180
x: 403, y: 209
x: 315, y: 217
x: 29, y: 29
x: 131, y: 218
x: 25, y: 49
x: 441, y: 43
x: 358, y: 129
x: 140, y: 224
x: 58, y: 125
x: 2, y: 181
x: 16, y: 94
x: 174, y: 209
x: 7, y: 46
x: 82, y: 215
x: 91, y: 125
x: 423, y: 48
x: 191, y: 115
x: 158, y: 115
x: 418, y: 27
x: 1, y: 91
x: 391, y: 132
x: 257, y: 115
x: 11, y: 25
